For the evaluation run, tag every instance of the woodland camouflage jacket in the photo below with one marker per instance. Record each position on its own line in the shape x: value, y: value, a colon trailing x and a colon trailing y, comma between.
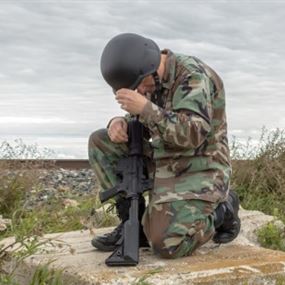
x: 189, y: 133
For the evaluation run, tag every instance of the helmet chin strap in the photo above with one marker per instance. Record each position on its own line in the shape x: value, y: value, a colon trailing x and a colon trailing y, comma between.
x: 156, y: 96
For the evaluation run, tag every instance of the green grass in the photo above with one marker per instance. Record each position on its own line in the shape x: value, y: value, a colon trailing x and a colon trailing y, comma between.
x: 29, y: 224
x: 259, y: 178
x: 271, y: 236
x: 7, y: 280
x: 143, y: 279
x: 47, y: 216
x: 54, y: 217
x: 44, y: 275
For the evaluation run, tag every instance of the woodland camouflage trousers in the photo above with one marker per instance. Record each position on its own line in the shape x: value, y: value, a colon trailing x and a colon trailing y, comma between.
x: 174, y: 229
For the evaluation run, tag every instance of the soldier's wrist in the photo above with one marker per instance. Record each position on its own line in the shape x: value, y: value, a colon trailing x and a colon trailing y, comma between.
x: 115, y: 118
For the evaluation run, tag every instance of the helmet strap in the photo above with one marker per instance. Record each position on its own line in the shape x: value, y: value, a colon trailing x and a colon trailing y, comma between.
x: 156, y: 96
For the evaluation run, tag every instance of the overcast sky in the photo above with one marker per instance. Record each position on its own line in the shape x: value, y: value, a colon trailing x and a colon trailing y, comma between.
x: 51, y: 89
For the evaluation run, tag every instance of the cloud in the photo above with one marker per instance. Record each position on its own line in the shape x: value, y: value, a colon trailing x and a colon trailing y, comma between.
x: 33, y: 120
x: 50, y: 54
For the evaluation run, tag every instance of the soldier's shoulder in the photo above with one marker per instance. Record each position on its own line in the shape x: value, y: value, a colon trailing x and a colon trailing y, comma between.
x: 190, y: 62
x: 194, y: 64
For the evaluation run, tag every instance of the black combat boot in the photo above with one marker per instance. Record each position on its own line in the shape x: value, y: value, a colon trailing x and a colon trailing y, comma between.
x: 107, y: 242
x: 226, y: 220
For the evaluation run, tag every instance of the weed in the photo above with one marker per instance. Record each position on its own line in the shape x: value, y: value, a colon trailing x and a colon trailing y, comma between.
x: 14, y: 187
x: 7, y: 280
x: 46, y: 276
x: 142, y: 280
x: 20, y: 150
x: 280, y: 280
x: 271, y: 236
x: 259, y: 177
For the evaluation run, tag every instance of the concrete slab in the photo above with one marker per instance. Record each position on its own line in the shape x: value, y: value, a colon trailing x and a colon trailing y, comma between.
x: 240, y: 262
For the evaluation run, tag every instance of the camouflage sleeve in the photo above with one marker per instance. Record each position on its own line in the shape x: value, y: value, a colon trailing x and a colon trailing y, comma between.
x: 189, y: 121
x: 127, y: 118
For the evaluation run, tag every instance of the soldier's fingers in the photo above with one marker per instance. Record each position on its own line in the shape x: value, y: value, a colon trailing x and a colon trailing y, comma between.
x: 121, y: 92
x: 118, y: 133
x: 117, y: 128
x: 123, y: 96
x: 124, y: 126
x: 119, y: 138
x: 120, y: 97
x: 122, y: 134
x: 123, y: 107
x: 112, y: 134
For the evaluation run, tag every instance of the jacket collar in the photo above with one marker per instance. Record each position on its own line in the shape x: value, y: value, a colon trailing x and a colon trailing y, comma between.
x: 170, y: 69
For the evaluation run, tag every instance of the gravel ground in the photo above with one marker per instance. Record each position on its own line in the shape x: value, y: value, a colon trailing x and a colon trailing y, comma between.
x: 46, y: 184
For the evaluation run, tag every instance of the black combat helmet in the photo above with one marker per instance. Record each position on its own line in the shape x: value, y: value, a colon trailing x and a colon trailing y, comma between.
x: 127, y: 59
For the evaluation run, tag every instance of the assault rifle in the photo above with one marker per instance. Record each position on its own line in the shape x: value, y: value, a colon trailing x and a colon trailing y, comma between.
x: 133, y: 181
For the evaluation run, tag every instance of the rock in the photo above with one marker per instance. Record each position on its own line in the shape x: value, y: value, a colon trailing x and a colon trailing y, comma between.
x: 4, y: 223
x: 59, y: 183
x: 251, y: 222
x: 279, y: 225
x: 76, y: 180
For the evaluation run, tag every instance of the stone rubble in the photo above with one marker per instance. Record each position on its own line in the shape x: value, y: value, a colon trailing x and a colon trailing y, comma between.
x: 63, y: 183
x: 78, y: 181
x: 4, y: 223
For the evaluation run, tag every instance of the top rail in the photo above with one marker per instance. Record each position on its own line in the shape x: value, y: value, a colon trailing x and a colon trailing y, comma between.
x: 45, y: 163
x: 66, y: 163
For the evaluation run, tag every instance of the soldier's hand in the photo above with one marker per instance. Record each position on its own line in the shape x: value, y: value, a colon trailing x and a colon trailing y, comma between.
x: 117, y: 130
x: 131, y: 101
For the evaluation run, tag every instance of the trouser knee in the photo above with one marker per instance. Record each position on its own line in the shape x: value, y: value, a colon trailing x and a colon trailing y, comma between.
x: 178, y: 228
x: 103, y: 157
x: 96, y: 138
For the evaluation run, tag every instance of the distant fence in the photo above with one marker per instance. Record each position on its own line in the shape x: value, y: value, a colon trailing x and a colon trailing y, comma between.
x: 65, y: 163
x: 46, y: 163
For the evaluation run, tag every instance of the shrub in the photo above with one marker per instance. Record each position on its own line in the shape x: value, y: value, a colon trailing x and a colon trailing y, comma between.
x: 259, y: 177
x: 20, y: 150
x: 271, y: 236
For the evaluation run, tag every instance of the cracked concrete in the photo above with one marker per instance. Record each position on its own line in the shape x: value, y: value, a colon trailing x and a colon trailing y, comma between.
x: 240, y: 262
